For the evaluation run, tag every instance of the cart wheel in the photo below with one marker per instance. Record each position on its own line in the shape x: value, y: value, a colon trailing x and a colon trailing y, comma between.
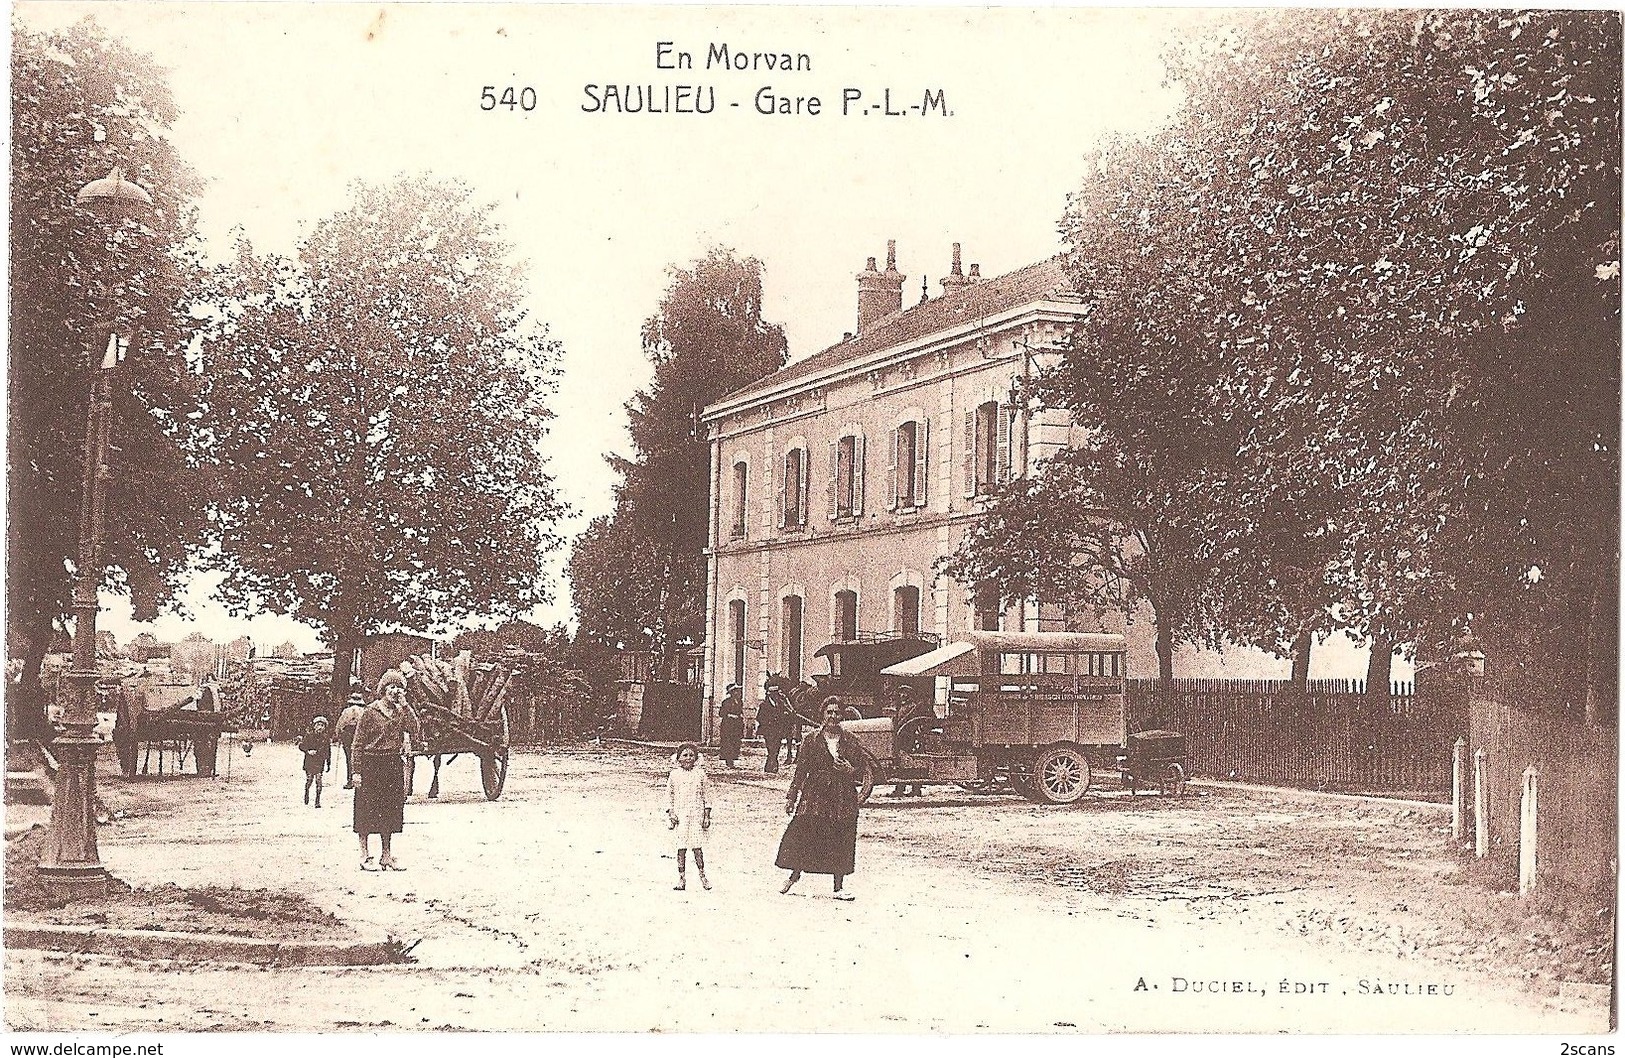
x: 1061, y: 775
x: 493, y: 773
x: 1173, y: 780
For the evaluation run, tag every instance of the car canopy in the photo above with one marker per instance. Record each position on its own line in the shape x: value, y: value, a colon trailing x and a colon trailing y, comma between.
x: 955, y: 659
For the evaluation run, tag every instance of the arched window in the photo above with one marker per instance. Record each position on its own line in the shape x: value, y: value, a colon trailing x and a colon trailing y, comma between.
x: 736, y: 637
x: 906, y: 609
x: 846, y: 615
x: 791, y: 630
x: 986, y: 607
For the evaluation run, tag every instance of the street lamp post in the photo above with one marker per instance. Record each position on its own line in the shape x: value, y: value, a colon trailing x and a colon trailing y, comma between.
x: 70, y: 860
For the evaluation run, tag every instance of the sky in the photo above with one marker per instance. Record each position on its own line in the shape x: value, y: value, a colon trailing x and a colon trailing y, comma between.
x: 283, y: 105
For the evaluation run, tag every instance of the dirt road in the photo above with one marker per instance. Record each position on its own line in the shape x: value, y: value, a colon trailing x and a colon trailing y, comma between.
x: 1238, y: 911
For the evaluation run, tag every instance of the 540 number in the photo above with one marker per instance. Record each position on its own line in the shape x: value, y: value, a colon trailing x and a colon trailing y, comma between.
x: 511, y: 97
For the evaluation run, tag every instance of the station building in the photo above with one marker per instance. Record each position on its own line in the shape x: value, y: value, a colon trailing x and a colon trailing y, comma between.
x: 839, y: 481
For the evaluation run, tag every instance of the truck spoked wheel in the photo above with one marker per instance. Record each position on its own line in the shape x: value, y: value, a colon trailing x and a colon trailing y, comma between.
x: 1060, y: 775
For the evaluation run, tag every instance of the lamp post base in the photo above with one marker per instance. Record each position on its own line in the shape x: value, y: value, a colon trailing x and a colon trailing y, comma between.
x: 70, y: 861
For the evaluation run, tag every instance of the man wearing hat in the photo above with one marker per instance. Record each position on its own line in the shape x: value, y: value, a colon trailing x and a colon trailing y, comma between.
x: 733, y: 724
x: 344, y: 732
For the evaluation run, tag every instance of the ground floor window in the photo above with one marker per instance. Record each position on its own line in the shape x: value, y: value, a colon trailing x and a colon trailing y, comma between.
x: 986, y: 607
x: 846, y: 615
x: 906, y: 609
x: 736, y: 636
x: 792, y: 614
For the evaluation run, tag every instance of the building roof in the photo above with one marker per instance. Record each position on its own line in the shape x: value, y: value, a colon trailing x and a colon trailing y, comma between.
x: 1042, y: 281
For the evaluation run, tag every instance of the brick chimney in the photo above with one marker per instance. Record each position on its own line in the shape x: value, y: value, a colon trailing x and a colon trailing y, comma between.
x: 879, y: 293
x: 956, y: 277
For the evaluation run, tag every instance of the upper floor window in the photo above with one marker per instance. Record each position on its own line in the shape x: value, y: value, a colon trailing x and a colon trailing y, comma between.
x: 846, y: 477
x: 740, y: 498
x: 793, y: 494
x: 909, y: 458
x: 987, y: 447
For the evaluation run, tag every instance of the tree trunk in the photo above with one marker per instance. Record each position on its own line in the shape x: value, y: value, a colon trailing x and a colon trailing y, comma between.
x: 1379, y: 671
x: 30, y: 718
x: 1165, y: 648
x: 344, y: 648
x: 1300, y: 660
x: 1602, y: 645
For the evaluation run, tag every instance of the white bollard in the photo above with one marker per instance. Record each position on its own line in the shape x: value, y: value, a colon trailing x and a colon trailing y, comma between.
x: 1458, y: 791
x: 1481, y: 803
x: 1527, y: 822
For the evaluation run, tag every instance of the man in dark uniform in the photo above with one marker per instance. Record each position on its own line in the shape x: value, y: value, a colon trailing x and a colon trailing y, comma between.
x: 908, y: 709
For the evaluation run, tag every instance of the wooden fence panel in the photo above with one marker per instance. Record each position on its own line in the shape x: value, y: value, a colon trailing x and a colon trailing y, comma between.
x: 1578, y: 766
x: 1330, y: 736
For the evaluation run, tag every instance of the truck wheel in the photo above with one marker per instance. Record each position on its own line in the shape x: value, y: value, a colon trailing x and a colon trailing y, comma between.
x: 1173, y: 781
x: 1061, y: 775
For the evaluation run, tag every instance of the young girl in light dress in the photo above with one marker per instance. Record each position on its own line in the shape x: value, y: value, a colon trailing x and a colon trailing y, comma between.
x: 688, y: 811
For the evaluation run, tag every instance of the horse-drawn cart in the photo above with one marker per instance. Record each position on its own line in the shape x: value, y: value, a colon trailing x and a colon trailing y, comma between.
x: 182, y: 722
x: 445, y: 736
x: 462, y: 709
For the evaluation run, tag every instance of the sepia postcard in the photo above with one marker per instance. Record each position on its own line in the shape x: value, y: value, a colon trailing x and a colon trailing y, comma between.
x: 886, y: 520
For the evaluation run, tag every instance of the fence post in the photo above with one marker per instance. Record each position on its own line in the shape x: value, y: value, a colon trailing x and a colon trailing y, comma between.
x: 1458, y: 791
x: 1481, y: 803
x: 1527, y: 817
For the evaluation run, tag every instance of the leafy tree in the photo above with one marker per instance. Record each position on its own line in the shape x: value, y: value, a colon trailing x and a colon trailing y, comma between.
x: 1386, y: 244
x: 521, y: 635
x: 377, y: 407
x: 644, y: 567
x: 1417, y: 214
x: 83, y: 103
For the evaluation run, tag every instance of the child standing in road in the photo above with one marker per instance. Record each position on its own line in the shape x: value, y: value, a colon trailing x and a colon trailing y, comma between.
x: 317, y: 747
x: 688, y: 811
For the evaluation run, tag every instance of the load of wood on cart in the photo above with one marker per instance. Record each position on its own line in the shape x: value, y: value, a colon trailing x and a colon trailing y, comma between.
x: 462, y: 708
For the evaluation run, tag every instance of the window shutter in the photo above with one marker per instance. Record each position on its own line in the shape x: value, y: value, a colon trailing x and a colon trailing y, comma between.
x: 922, y: 460
x: 834, y: 480
x: 1018, y: 443
x: 806, y: 485
x: 783, y: 491
x: 893, y: 501
x: 970, y: 454
x: 858, y: 445
x: 1004, y: 418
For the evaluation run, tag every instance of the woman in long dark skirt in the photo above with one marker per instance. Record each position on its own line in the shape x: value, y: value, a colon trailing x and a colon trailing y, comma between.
x: 380, y: 781
x: 833, y: 777
x: 733, y: 724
